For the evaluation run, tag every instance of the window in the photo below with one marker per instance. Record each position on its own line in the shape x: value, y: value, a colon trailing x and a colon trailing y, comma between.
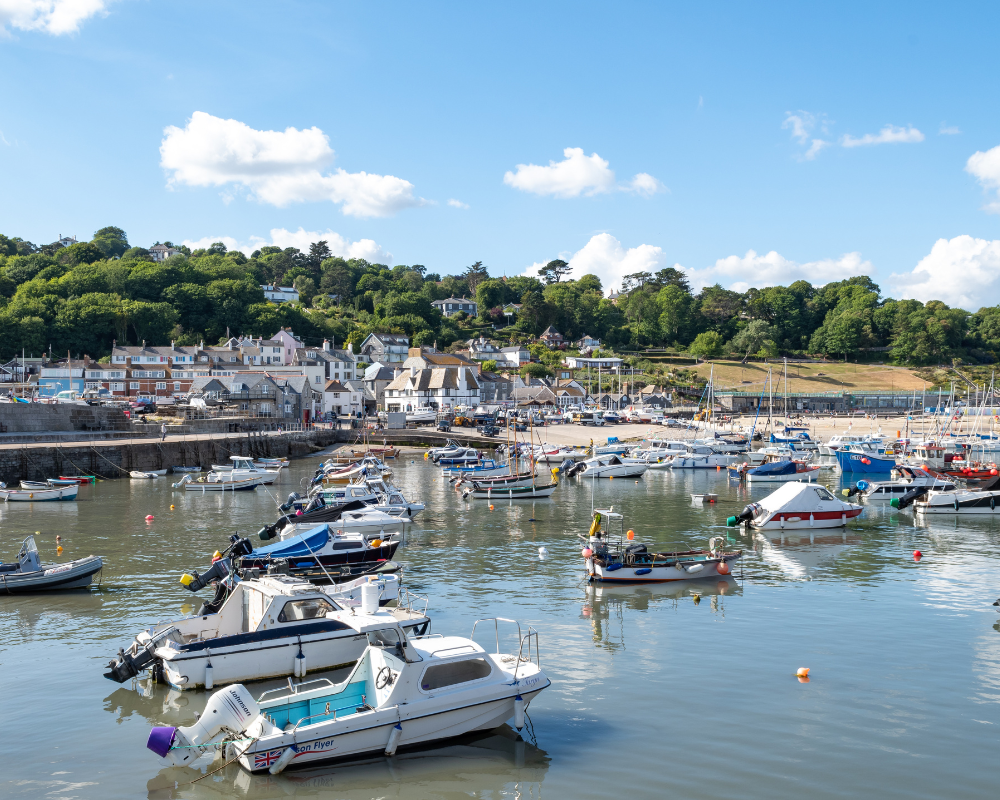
x: 439, y: 676
x: 162, y: 386
x: 177, y: 386
x: 93, y: 385
x: 117, y: 387
x: 298, y: 610
x: 134, y: 385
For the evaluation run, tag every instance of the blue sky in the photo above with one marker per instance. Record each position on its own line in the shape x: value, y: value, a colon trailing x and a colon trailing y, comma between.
x: 154, y: 116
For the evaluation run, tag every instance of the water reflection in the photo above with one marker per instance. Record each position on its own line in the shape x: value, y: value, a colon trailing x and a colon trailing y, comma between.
x: 605, y: 606
x: 499, y: 763
x: 801, y: 555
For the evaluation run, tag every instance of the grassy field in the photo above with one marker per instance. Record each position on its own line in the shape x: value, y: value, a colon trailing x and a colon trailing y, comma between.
x: 828, y: 377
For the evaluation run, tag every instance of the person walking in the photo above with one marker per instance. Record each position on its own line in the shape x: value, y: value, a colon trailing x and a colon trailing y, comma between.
x: 163, y: 431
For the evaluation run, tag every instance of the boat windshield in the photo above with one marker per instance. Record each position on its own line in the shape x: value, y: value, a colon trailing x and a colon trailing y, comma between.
x: 28, y: 546
x: 394, y: 640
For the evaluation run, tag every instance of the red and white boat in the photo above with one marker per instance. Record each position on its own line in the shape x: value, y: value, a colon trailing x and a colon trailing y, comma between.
x: 797, y: 506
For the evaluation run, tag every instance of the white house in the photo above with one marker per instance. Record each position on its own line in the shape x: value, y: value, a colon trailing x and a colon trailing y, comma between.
x: 160, y: 252
x: 386, y: 348
x: 579, y: 362
x: 280, y: 294
x: 340, y: 399
x: 438, y: 387
x: 453, y: 305
x: 513, y: 357
x: 482, y: 349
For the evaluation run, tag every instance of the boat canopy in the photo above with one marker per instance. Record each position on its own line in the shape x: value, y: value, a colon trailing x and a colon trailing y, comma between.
x: 775, y: 468
x: 296, y: 546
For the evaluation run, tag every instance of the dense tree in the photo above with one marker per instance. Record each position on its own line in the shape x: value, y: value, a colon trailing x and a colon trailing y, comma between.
x: 554, y: 271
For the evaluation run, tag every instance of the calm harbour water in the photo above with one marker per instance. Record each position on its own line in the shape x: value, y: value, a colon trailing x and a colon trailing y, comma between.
x: 684, y: 690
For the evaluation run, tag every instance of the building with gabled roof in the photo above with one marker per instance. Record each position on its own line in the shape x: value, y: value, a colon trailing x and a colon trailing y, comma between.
x: 440, y: 388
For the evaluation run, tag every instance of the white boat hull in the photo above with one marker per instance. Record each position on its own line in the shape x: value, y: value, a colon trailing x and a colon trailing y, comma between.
x: 809, y: 475
x: 263, y: 659
x: 615, y: 471
x: 39, y: 495
x: 702, y: 462
x: 371, y: 733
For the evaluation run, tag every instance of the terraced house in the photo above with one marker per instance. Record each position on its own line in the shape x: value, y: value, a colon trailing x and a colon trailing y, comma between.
x: 440, y: 388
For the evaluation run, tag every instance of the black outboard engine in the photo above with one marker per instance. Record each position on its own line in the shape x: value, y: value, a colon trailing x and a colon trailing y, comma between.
x: 268, y: 531
x: 287, y: 505
x: 909, y: 497
x: 137, y: 658
x: 217, y: 572
x: 748, y: 513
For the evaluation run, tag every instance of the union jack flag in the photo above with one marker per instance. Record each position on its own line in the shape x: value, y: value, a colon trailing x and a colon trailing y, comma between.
x: 265, y: 759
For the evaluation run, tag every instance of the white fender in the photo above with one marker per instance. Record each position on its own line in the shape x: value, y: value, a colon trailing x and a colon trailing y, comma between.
x: 695, y: 568
x: 393, y: 743
x: 519, y: 712
x: 283, y: 760
x: 209, y: 678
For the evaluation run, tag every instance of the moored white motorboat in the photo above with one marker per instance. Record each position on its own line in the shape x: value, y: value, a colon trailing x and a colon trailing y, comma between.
x: 403, y: 692
x: 797, y: 505
x: 217, y: 482
x: 981, y: 501
x: 267, y: 627
x: 700, y: 456
x: 140, y: 475
x: 609, y: 466
x: 910, y: 478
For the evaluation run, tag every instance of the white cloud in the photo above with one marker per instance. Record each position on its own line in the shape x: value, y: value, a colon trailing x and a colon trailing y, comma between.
x: 986, y: 169
x: 646, y: 185
x: 962, y: 272
x: 803, y: 124
x: 948, y: 130
x: 577, y: 174
x: 275, y: 167
x: 605, y: 257
x: 457, y: 203
x: 280, y: 237
x: 890, y: 134
x: 773, y: 269
x: 55, y: 17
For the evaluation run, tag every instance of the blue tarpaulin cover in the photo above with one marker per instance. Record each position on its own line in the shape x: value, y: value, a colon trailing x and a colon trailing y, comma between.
x: 775, y: 468
x: 295, y: 547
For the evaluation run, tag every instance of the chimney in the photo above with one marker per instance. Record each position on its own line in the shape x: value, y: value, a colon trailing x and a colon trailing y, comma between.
x: 350, y: 348
x: 413, y: 371
x: 326, y: 345
x: 173, y: 345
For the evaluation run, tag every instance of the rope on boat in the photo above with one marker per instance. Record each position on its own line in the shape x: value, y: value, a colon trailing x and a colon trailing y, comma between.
x: 217, y: 769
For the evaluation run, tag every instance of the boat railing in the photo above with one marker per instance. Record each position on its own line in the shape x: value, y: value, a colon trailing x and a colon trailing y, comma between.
x: 407, y: 600
x: 527, y: 640
x: 295, y: 687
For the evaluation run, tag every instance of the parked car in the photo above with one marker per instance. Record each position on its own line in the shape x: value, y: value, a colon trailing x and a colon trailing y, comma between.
x: 488, y: 430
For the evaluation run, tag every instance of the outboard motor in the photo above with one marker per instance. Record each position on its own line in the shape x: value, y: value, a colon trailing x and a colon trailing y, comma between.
x: 137, y: 658
x: 268, y: 532
x: 217, y: 572
x: 229, y: 711
x: 858, y: 488
x: 909, y: 497
x: 287, y: 505
x: 748, y: 513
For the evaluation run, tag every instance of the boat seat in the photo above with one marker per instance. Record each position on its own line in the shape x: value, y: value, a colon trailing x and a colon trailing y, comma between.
x: 9, y: 567
x: 350, y: 701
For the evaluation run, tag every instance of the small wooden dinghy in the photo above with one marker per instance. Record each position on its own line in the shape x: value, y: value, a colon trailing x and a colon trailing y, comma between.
x: 481, y: 491
x: 29, y: 574
x: 610, y: 557
x: 78, y: 478
x: 37, y: 495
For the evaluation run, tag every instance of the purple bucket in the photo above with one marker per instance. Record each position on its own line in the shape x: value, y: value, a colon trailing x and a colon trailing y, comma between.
x: 159, y: 740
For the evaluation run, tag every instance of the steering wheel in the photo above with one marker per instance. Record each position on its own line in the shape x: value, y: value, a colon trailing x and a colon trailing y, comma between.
x: 384, y: 678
